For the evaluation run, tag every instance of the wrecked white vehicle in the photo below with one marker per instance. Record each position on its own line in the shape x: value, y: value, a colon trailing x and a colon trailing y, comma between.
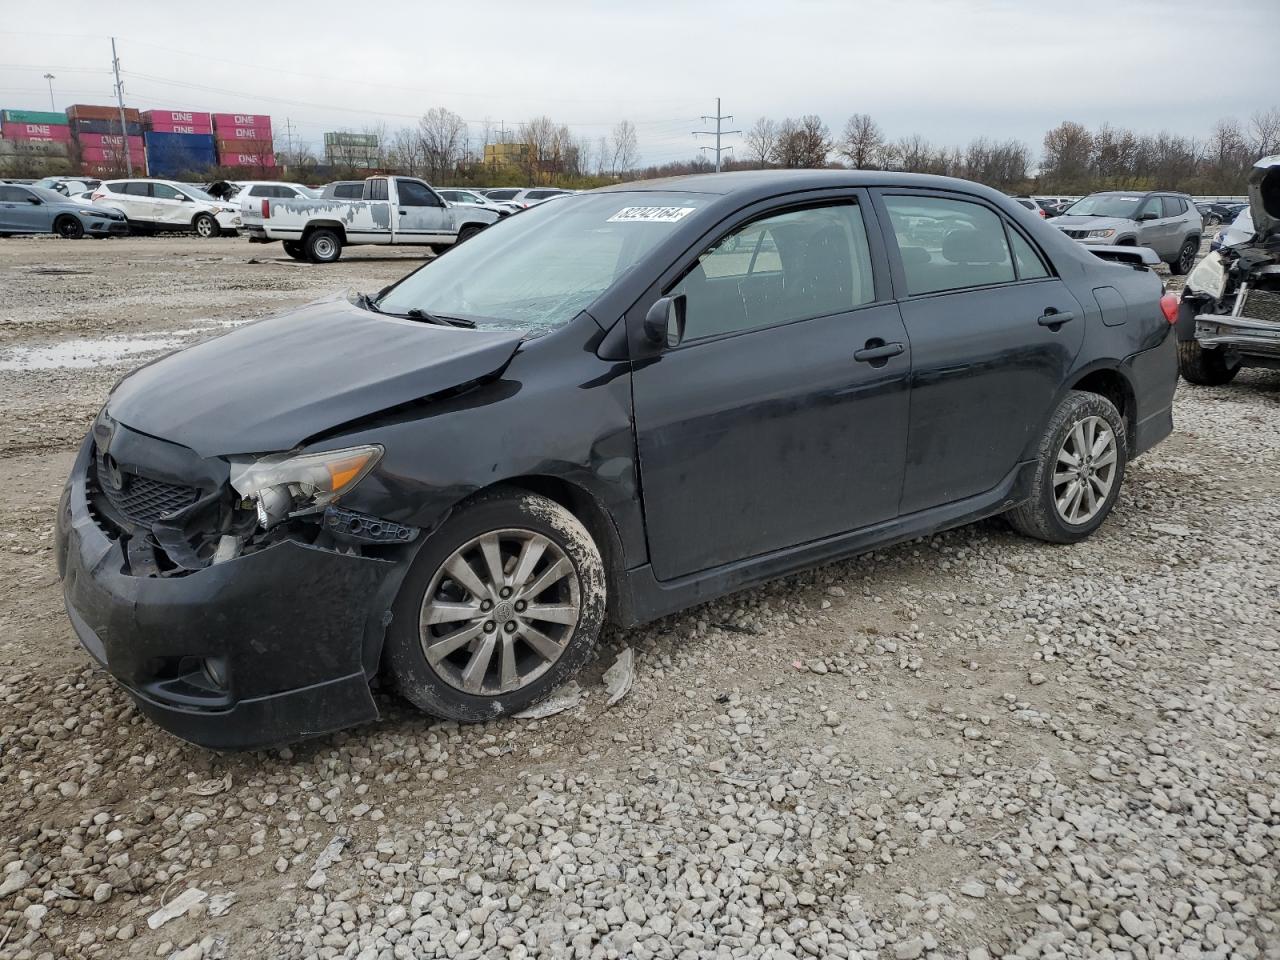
x: 1229, y: 317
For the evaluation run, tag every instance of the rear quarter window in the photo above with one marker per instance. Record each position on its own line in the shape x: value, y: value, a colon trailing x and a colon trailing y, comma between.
x: 949, y: 244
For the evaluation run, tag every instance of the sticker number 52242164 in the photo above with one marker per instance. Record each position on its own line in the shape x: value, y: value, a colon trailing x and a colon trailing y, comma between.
x: 650, y: 214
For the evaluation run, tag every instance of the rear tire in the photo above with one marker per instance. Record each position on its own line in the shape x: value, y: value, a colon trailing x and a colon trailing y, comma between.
x: 68, y: 227
x: 1204, y: 368
x: 1085, y: 449
x: 322, y: 246
x: 495, y: 653
x: 294, y: 249
x: 1186, y: 258
x: 205, y: 227
x: 467, y: 232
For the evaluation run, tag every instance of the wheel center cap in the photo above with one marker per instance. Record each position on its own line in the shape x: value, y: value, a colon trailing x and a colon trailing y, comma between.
x: 503, y: 612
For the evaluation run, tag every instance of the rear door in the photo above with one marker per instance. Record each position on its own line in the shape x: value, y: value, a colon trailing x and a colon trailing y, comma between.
x: 781, y: 417
x: 421, y: 216
x: 979, y: 301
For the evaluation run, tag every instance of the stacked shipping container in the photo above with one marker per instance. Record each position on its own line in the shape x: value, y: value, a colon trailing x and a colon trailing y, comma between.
x: 178, y: 142
x: 34, y: 136
x: 101, y: 143
x: 244, y: 140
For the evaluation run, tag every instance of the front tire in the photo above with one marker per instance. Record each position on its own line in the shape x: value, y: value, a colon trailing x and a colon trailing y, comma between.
x: 205, y: 227
x: 502, y: 605
x: 467, y: 232
x: 68, y: 227
x: 1204, y: 368
x: 1186, y: 258
x: 322, y: 246
x: 1080, y: 465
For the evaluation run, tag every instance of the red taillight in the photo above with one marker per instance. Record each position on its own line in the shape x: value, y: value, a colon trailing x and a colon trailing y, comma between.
x: 266, y: 209
x: 1169, y: 305
x: 1042, y: 213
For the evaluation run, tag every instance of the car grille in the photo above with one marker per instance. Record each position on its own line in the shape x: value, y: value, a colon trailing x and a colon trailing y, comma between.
x: 1075, y: 234
x: 138, y: 499
x: 1261, y: 305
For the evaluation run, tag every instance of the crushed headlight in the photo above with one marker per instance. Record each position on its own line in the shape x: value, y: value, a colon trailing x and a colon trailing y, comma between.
x: 287, y: 485
x: 1101, y: 234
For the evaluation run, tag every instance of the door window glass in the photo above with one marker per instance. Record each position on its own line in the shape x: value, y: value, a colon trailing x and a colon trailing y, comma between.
x: 162, y: 191
x: 948, y: 244
x: 804, y: 263
x: 1030, y: 266
x: 1173, y: 206
x: 136, y: 188
x: 1150, y: 205
x: 377, y: 189
x: 13, y: 194
x: 414, y: 194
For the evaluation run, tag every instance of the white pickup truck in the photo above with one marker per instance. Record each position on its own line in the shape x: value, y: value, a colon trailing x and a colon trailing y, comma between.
x: 393, y: 210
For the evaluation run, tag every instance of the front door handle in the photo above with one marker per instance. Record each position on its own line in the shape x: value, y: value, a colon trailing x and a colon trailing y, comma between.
x: 877, y: 352
x: 1054, y: 318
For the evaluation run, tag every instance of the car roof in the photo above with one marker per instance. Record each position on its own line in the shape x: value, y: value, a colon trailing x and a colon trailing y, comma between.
x: 750, y: 185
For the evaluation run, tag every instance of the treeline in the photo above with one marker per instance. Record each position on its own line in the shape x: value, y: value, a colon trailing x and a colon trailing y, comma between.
x: 1074, y: 159
x: 442, y: 150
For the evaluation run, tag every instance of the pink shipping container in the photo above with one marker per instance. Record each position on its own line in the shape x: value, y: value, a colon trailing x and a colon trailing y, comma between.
x: 166, y: 121
x: 111, y: 155
x: 35, y: 131
x: 111, y: 141
x: 164, y: 126
x: 242, y: 134
x: 225, y: 123
x: 246, y: 159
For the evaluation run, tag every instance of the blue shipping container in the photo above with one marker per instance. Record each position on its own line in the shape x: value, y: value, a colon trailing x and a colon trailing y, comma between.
x: 170, y: 154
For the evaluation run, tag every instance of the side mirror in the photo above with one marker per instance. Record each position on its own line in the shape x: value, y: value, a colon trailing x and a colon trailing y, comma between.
x: 664, y: 323
x: 1147, y: 215
x: 34, y: 201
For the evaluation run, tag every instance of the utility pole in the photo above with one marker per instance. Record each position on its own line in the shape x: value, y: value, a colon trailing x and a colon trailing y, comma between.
x: 50, y: 77
x: 717, y: 132
x: 124, y: 127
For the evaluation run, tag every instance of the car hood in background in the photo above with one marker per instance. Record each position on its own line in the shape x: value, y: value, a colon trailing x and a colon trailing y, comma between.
x: 273, y: 384
x: 1264, y: 198
x: 1090, y: 223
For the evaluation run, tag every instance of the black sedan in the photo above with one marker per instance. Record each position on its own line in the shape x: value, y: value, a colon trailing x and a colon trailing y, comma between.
x: 616, y: 405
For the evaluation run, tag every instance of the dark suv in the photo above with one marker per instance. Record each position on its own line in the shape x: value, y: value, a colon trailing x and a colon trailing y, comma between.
x: 617, y: 404
x: 1168, y: 223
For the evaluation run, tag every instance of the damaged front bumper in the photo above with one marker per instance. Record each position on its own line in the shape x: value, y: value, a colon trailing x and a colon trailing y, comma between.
x: 1252, y: 327
x: 269, y: 647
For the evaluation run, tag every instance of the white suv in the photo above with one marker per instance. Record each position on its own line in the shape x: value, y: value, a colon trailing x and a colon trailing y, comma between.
x: 168, y: 205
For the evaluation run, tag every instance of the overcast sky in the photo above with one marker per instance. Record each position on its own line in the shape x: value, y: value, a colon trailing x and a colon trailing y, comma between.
x: 947, y: 69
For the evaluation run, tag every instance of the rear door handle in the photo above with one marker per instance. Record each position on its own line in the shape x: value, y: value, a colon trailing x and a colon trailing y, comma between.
x: 877, y: 352
x: 1053, y: 318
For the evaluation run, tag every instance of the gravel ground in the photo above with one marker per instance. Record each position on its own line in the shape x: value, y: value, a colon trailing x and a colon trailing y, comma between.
x: 970, y: 746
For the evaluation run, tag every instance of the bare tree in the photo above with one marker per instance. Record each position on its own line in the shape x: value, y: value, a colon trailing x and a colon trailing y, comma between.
x: 444, y: 141
x: 1264, y: 132
x: 406, y: 153
x: 802, y: 143
x: 602, y: 156
x: 625, y: 147
x: 1068, y: 150
x: 761, y: 139
x: 861, y: 142
x: 540, y: 134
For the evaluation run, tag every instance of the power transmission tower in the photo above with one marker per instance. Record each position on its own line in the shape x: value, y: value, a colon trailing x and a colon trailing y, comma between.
x: 717, y: 132
x: 124, y: 127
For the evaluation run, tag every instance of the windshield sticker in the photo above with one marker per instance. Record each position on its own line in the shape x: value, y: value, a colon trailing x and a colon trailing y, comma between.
x: 650, y: 215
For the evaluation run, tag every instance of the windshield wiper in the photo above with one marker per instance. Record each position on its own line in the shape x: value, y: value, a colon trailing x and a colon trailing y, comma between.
x: 418, y: 314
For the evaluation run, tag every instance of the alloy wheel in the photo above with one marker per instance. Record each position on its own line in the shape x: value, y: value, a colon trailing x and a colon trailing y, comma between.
x: 499, y: 612
x: 1085, y: 470
x: 204, y: 227
x: 1188, y: 258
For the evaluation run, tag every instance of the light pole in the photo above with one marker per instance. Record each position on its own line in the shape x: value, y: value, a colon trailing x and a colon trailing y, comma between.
x: 50, y: 77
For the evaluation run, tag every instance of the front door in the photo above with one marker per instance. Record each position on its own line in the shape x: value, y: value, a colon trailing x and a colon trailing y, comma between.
x: 988, y: 358
x: 422, y: 216
x: 171, y: 206
x: 781, y: 418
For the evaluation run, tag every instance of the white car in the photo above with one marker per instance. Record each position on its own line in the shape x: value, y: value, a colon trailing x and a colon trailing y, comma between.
x: 476, y: 199
x: 522, y: 199
x: 255, y: 191
x: 168, y: 205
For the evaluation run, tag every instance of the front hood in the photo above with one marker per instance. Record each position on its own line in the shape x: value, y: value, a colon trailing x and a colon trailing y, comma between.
x: 1264, y: 198
x: 273, y: 384
x: 1090, y: 223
